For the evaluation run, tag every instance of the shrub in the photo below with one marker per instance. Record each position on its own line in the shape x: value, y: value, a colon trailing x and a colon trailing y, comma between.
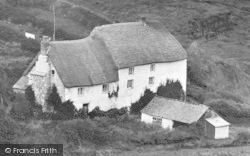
x: 112, y: 113
x: 171, y: 90
x: 54, y: 99
x: 78, y: 131
x: 242, y: 138
x: 21, y: 108
x: 96, y: 112
x: 30, y: 95
x: 229, y: 108
x: 66, y: 110
x: 142, y: 102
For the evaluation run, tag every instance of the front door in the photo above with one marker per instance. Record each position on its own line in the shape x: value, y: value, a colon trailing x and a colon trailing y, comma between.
x: 85, y: 108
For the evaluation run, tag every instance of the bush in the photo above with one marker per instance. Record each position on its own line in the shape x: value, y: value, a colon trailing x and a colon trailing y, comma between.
x: 78, y: 131
x: 112, y: 113
x: 65, y: 111
x: 242, y: 138
x: 229, y: 108
x: 30, y: 95
x: 54, y: 100
x: 171, y: 90
x: 142, y: 102
x: 21, y: 109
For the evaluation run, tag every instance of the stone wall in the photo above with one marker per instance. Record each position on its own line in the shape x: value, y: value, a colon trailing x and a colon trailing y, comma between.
x: 41, y: 85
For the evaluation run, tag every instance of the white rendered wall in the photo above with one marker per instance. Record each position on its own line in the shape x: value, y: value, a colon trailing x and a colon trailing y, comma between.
x: 222, y: 132
x: 96, y: 97
x: 92, y: 95
x: 163, y: 71
x: 146, y: 118
x: 166, y: 123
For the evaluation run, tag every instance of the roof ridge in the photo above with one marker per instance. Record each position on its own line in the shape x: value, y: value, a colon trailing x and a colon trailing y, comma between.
x: 180, y: 101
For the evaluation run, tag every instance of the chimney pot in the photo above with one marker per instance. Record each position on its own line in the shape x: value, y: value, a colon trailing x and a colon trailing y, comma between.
x: 45, y: 45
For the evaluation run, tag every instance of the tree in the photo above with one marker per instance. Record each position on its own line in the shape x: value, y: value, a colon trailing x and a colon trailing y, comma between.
x: 30, y: 95
x: 142, y: 102
x: 171, y: 90
x: 54, y: 99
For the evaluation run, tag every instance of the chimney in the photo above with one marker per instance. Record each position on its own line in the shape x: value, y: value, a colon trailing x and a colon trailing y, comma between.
x: 143, y: 20
x: 45, y: 45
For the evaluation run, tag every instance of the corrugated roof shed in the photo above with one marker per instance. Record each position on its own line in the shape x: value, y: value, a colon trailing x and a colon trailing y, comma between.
x: 217, y: 121
x: 174, y: 110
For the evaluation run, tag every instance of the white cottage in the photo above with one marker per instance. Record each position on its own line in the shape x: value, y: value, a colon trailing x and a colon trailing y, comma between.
x: 165, y: 112
x: 110, y: 68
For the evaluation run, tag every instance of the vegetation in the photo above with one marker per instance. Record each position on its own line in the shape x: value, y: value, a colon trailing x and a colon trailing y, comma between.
x: 54, y: 99
x: 30, y: 95
x: 142, y: 102
x: 172, y: 89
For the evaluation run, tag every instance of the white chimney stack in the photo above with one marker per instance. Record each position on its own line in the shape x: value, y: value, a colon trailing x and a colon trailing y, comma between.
x: 45, y: 45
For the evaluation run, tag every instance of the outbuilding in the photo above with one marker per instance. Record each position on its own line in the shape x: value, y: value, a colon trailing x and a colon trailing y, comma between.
x: 217, y: 128
x: 165, y: 112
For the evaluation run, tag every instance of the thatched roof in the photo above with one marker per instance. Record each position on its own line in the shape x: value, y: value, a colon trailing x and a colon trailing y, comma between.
x: 174, y: 110
x: 97, y: 58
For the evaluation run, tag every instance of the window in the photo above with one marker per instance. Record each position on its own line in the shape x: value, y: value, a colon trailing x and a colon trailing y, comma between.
x: 52, y: 72
x: 131, y: 71
x: 152, y: 67
x: 130, y: 84
x: 80, y: 91
x: 151, y: 80
x: 157, y: 120
x: 105, y: 87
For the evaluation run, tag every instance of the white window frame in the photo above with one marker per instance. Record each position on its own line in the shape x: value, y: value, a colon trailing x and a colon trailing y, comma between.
x: 105, y: 88
x: 130, y: 84
x: 80, y: 91
x: 151, y: 80
x: 152, y: 67
x: 157, y: 120
x: 131, y: 71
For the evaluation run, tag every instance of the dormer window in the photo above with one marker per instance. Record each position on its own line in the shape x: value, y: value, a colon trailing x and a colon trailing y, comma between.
x: 105, y: 88
x: 152, y: 67
x: 80, y: 91
x: 131, y: 71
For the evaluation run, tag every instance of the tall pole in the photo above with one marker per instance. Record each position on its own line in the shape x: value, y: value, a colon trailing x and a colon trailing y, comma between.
x: 54, y: 35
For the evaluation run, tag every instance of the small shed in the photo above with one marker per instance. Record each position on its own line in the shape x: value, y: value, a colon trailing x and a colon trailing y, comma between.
x: 165, y: 111
x: 217, y: 128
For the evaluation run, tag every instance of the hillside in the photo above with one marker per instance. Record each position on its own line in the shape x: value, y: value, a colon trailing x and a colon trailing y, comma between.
x: 218, y: 68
